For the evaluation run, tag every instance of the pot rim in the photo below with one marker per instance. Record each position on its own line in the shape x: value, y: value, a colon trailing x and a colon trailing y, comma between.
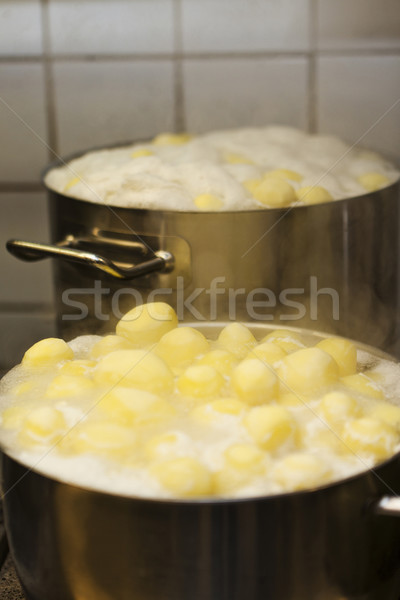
x: 206, y: 500
x: 64, y: 161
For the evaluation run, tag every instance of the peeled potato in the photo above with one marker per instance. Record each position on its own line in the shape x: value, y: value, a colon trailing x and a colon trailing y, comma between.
x: 42, y: 424
x: 136, y: 368
x: 343, y: 351
x: 268, y: 352
x: 184, y: 477
x: 179, y: 347
x: 336, y: 407
x: 146, y: 324
x: 289, y: 341
x: 308, y: 370
x: 362, y: 384
x: 237, y: 339
x: 299, y: 471
x: 69, y: 386
x: 108, y: 344
x: 49, y: 351
x: 270, y: 426
x: 222, y: 360
x: 200, y: 381
x: 254, y: 382
x: 369, y: 436
x: 130, y: 407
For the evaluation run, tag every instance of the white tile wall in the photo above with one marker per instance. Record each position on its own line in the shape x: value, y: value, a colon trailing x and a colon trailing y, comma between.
x: 72, y: 72
x: 105, y: 102
x: 359, y: 24
x: 20, y: 27
x: 23, y: 121
x: 359, y: 97
x: 245, y: 25
x: 26, y: 218
x: 250, y: 91
x: 121, y: 26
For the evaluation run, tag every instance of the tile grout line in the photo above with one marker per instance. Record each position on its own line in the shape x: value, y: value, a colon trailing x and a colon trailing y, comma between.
x: 49, y: 82
x: 312, y: 68
x: 179, y: 100
x: 271, y: 54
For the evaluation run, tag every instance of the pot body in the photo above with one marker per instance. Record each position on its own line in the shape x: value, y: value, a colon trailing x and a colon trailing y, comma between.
x: 332, y: 267
x: 70, y: 543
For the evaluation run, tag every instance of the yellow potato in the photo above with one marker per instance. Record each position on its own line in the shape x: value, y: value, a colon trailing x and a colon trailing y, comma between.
x: 172, y: 139
x: 184, y: 477
x: 100, y: 437
x: 47, y: 352
x: 128, y: 407
x: 270, y: 426
x: 13, y: 416
x: 285, y: 174
x: 336, y: 407
x: 373, y: 181
x: 291, y: 400
x: 254, y: 382
x: 77, y: 367
x: 69, y: 386
x: 307, y: 370
x: 268, y: 352
x: 343, y: 351
x: 140, y: 152
x: 245, y: 457
x: 237, y: 159
x: 146, y: 324
x: 136, y: 368
x: 242, y: 463
x: 299, y: 471
x: 200, y: 381
x: 368, y: 436
x: 208, y: 202
x: 110, y: 343
x: 251, y: 185
x: 274, y: 192
x: 164, y: 446
x: 44, y: 424
x: 222, y: 360
x: 211, y: 412
x: 388, y: 413
x: 289, y: 341
x: 237, y: 339
x: 313, y: 194
x: 362, y: 384
x: 179, y: 347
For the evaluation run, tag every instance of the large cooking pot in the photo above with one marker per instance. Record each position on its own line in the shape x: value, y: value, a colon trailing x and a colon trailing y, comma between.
x: 337, y: 542
x: 331, y: 266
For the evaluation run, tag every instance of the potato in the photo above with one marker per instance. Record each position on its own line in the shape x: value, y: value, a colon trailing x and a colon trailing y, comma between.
x: 270, y: 426
x: 343, y: 351
x: 136, y: 368
x: 254, y: 382
x: 200, y: 381
x: 145, y: 325
x: 49, y: 351
x: 184, y: 477
x: 237, y: 339
x: 179, y: 347
x: 307, y: 370
x: 299, y: 471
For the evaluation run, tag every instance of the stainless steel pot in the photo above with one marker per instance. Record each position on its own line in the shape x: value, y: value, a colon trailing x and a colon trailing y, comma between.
x: 331, y: 266
x: 341, y: 542
x: 337, y: 542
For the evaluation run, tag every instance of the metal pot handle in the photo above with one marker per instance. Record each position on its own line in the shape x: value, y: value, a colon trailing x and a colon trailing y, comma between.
x: 32, y: 251
x: 387, y: 505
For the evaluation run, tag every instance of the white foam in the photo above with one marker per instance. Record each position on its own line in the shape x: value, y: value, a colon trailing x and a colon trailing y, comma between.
x: 175, y: 175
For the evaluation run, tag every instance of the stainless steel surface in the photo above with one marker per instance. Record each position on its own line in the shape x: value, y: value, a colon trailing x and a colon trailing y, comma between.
x: 32, y: 251
x: 69, y: 543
